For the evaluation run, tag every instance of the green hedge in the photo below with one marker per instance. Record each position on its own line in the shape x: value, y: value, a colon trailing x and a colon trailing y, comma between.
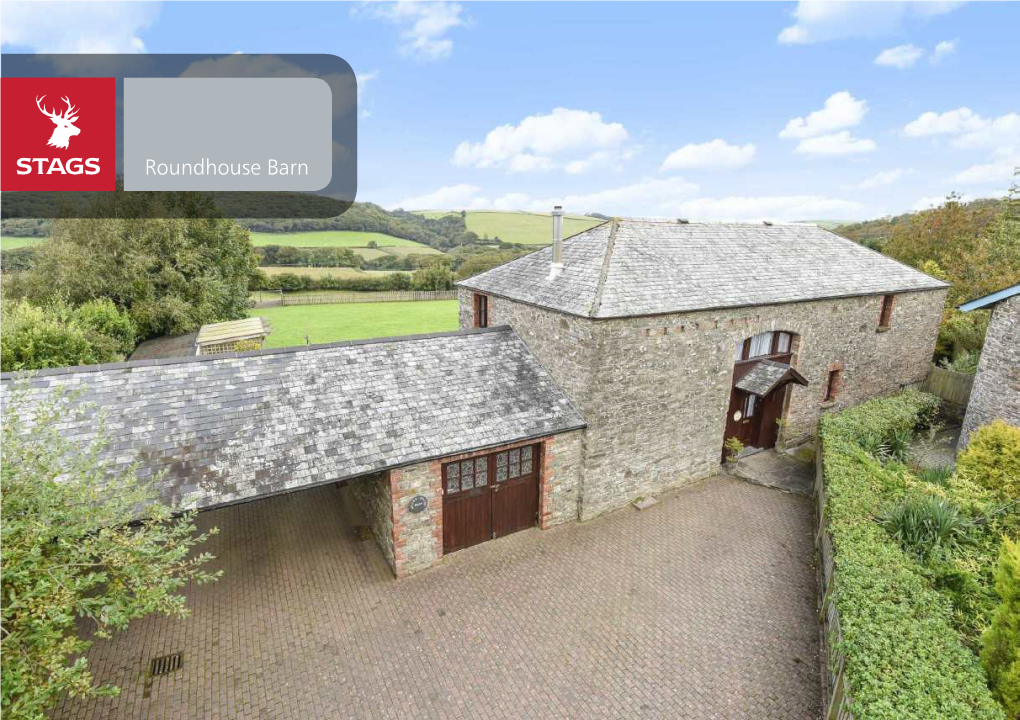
x: 904, y: 659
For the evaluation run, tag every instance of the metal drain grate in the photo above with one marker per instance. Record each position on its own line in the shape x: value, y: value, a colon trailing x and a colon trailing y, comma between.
x: 165, y: 664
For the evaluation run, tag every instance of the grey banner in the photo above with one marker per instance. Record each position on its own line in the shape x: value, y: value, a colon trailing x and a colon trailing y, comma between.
x: 227, y: 134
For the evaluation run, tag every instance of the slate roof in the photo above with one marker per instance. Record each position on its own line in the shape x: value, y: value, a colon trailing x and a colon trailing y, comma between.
x: 628, y: 267
x: 992, y: 299
x: 766, y: 376
x: 243, y: 425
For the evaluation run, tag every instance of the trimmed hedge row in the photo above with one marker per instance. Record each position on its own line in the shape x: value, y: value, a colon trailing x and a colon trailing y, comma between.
x: 904, y: 659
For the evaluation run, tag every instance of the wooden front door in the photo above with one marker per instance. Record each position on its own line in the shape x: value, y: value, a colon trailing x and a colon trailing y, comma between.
x: 489, y: 496
x: 744, y: 419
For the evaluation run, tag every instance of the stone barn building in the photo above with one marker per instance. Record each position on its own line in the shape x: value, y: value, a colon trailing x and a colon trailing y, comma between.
x: 996, y: 391
x: 608, y: 367
x: 654, y: 329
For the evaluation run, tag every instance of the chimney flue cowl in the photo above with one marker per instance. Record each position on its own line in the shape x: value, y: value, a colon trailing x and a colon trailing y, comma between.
x: 557, y: 250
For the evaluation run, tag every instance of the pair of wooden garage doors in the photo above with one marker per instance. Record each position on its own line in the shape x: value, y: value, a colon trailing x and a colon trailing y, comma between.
x: 489, y: 496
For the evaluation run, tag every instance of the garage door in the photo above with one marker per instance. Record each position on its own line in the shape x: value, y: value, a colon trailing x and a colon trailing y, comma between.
x: 489, y: 496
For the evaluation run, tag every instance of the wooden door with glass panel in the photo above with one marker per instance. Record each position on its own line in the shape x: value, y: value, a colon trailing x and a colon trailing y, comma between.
x: 489, y: 496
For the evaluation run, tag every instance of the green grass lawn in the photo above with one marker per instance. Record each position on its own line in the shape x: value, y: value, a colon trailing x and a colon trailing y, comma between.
x: 13, y: 243
x: 519, y: 227
x: 356, y: 321
x: 333, y: 238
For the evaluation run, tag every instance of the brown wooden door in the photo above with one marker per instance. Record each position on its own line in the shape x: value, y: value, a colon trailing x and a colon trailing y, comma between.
x: 515, y: 491
x: 743, y: 421
x: 467, y: 504
x: 489, y: 496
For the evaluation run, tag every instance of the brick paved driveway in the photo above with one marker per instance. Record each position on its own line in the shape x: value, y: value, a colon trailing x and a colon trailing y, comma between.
x: 700, y: 607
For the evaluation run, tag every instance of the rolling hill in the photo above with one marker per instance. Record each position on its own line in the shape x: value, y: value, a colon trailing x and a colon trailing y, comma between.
x: 526, y: 228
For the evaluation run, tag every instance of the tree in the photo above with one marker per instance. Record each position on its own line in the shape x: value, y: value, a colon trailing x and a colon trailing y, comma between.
x: 1000, y: 652
x: 433, y: 273
x: 75, y: 547
x: 969, y: 246
x: 168, y: 268
x: 57, y: 335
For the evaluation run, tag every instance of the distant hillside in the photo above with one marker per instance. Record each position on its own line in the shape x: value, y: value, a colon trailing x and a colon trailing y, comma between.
x: 875, y: 233
x: 525, y: 228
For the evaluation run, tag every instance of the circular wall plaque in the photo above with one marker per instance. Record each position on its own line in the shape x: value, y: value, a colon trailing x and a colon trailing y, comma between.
x: 737, y: 415
x: 417, y: 504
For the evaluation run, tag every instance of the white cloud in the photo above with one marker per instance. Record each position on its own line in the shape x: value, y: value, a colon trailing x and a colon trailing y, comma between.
x: 882, y: 179
x: 717, y: 154
x: 970, y: 130
x: 943, y: 50
x: 841, y: 110
x: 575, y: 139
x: 449, y: 197
x: 841, y: 143
x: 821, y: 20
x: 649, y: 197
x: 901, y: 56
x: 77, y: 27
x: 423, y: 25
x: 951, y: 122
x: 786, y: 208
x: 998, y: 172
x: 1000, y: 133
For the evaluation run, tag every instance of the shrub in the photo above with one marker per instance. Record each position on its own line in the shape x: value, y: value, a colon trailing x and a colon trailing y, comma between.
x: 904, y: 658
x: 56, y: 335
x: 733, y: 448
x: 937, y: 475
x: 898, y: 443
x: 924, y: 524
x: 992, y: 459
x: 1001, y: 643
x: 966, y: 362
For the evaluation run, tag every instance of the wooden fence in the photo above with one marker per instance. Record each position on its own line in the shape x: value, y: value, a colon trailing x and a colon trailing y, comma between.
x: 342, y: 296
x: 837, y: 690
x: 953, y: 387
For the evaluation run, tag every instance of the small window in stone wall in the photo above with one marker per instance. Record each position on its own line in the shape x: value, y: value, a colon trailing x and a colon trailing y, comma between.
x: 885, y: 314
x: 832, y: 387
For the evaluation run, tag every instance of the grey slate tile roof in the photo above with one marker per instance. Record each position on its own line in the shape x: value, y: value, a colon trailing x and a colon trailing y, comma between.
x: 766, y: 375
x: 645, y: 267
x: 238, y: 426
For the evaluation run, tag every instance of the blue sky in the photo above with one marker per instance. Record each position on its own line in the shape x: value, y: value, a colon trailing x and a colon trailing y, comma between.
x: 709, y: 111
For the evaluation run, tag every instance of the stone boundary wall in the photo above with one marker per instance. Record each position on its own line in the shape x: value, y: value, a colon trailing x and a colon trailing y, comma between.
x: 996, y: 392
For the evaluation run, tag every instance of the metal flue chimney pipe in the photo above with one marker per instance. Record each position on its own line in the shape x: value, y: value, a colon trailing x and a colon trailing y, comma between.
x: 557, y: 248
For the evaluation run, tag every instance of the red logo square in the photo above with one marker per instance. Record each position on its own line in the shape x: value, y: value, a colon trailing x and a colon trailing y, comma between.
x: 58, y: 134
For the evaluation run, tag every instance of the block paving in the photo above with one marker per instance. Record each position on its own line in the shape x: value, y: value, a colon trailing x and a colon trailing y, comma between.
x: 702, y: 606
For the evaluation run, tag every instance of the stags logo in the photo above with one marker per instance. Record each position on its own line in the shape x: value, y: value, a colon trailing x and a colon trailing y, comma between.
x: 65, y: 123
x: 48, y: 147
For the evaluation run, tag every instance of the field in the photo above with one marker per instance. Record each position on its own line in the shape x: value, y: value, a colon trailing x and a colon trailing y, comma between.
x: 356, y: 321
x: 519, y: 227
x: 318, y: 272
x: 13, y: 243
x: 334, y: 238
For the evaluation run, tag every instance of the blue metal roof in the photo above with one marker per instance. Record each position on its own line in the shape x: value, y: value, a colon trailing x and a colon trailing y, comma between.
x: 991, y: 299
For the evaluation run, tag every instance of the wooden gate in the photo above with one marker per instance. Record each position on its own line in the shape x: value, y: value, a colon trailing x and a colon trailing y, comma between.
x: 489, y: 496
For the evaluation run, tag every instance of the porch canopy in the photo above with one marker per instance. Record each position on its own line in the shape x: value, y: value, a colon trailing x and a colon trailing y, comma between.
x: 768, y: 375
x: 216, y: 429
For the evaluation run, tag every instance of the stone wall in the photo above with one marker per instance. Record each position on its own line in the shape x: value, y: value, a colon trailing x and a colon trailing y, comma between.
x: 417, y: 537
x: 655, y: 390
x: 996, y: 393
x: 548, y: 334
x: 372, y: 493
x: 560, y: 479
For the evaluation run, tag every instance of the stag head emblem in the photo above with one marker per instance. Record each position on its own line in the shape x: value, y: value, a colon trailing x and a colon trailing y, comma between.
x: 65, y: 129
